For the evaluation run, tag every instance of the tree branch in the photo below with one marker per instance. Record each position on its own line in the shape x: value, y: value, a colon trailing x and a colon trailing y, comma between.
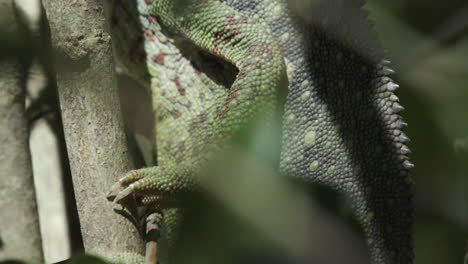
x: 92, y: 120
x: 21, y: 238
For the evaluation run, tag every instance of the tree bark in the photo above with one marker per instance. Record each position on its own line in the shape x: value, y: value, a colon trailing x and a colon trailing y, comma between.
x: 19, y: 235
x: 92, y: 121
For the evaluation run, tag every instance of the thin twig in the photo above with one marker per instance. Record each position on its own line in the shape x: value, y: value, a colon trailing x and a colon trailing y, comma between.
x: 152, y: 235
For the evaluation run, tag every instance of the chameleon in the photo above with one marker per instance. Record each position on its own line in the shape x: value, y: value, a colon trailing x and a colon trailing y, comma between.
x: 215, y: 66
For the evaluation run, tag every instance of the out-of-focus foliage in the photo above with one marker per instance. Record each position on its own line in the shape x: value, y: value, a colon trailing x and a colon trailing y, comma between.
x: 88, y: 259
x: 78, y: 259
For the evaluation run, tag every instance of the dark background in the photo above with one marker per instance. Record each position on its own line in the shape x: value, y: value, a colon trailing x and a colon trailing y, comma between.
x: 427, y: 42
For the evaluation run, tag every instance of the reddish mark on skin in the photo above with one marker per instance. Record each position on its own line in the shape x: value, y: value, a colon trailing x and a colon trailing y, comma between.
x: 231, y: 20
x: 187, y: 105
x: 225, y: 110
x: 235, y: 89
x: 226, y: 34
x: 251, y: 63
x: 233, y: 93
x: 179, y: 87
x: 262, y: 51
x: 176, y: 114
x: 158, y: 58
x: 153, y: 19
x: 197, y: 122
x: 231, y: 96
x: 149, y: 34
x: 241, y: 75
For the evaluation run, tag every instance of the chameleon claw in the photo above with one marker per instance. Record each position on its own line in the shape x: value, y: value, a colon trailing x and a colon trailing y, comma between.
x: 113, y: 190
x: 115, y: 186
x: 117, y: 207
x: 123, y: 194
x: 124, y: 182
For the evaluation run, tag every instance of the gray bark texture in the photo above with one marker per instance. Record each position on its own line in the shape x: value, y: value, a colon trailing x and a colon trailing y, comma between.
x: 19, y: 225
x: 19, y: 230
x: 92, y: 120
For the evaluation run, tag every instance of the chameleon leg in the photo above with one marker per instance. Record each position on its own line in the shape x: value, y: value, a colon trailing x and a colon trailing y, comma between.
x: 169, y: 182
x: 248, y: 45
x: 171, y: 226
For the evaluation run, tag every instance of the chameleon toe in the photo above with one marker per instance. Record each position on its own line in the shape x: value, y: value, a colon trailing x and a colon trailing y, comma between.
x: 114, y: 190
x: 123, y: 194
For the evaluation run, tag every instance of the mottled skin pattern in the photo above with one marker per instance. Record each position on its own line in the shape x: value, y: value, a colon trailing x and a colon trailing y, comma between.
x: 341, y: 126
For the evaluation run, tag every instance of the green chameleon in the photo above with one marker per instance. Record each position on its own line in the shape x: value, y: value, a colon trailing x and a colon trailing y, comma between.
x: 216, y: 66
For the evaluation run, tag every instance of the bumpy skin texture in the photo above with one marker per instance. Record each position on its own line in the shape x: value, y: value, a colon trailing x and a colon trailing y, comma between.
x: 341, y: 126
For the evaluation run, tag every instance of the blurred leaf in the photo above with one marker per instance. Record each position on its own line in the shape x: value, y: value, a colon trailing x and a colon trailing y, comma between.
x: 438, y: 241
x: 86, y: 259
x: 15, y: 262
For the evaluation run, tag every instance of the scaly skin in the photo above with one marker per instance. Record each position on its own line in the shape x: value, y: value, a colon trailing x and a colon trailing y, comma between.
x: 341, y: 125
x: 254, y: 91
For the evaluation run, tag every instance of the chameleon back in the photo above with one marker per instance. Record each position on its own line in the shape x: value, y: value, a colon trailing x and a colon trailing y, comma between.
x: 341, y: 126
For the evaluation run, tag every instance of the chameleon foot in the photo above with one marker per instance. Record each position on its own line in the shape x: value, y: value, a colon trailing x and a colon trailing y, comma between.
x: 154, y: 186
